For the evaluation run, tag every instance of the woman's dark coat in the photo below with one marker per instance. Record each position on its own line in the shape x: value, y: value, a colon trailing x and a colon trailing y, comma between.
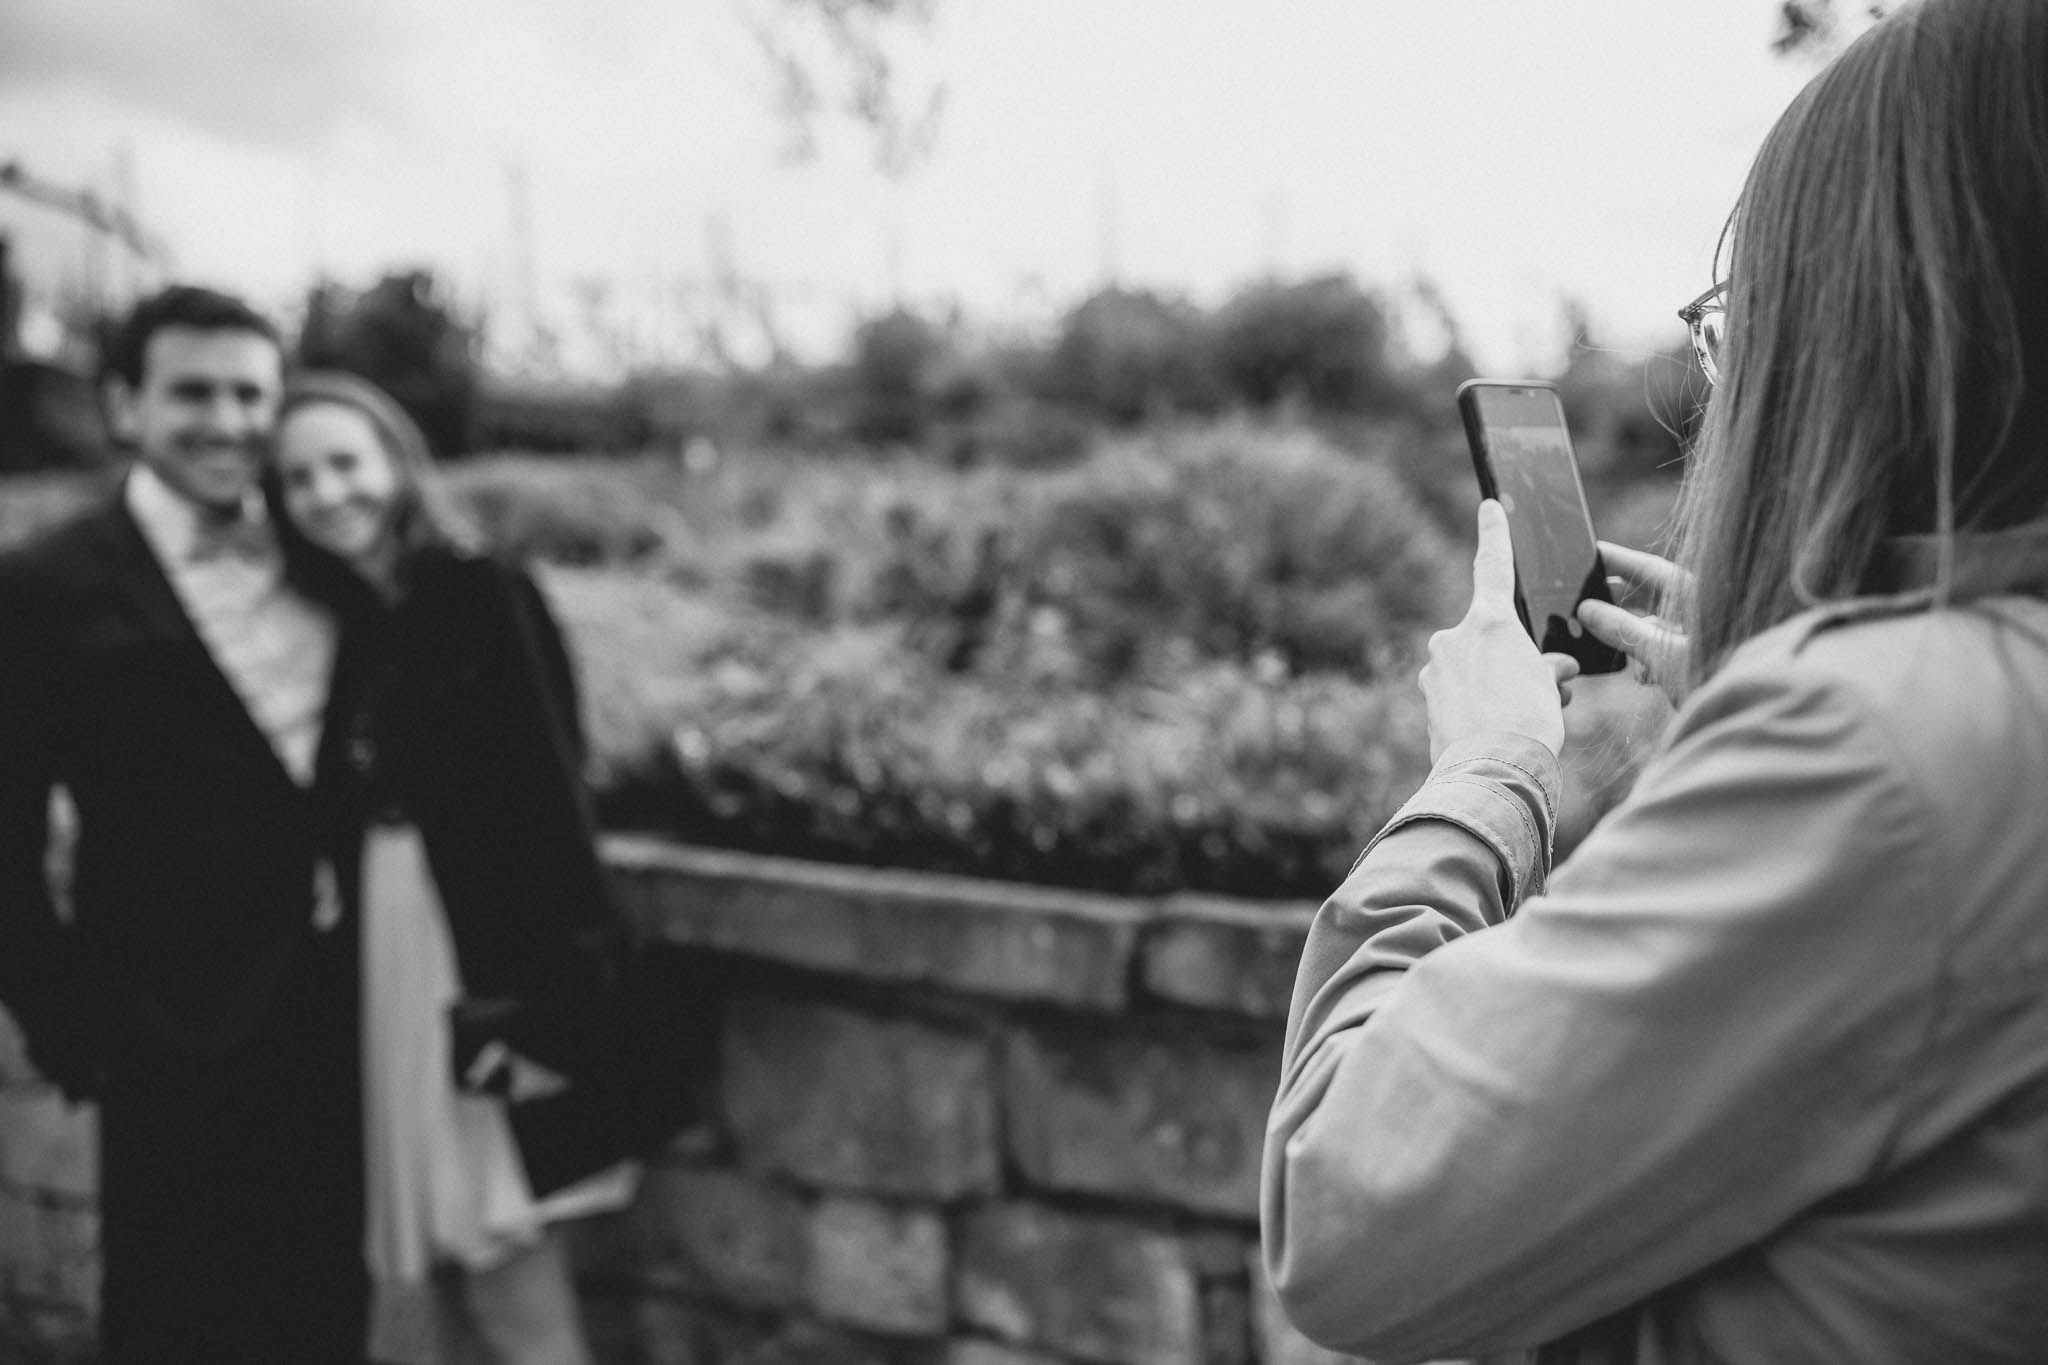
x: 468, y: 728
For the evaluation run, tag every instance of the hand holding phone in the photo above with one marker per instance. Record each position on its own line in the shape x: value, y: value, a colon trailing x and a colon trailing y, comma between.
x: 1483, y: 673
x: 1522, y: 454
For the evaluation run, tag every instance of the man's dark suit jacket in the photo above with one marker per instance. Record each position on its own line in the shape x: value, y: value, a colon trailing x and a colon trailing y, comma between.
x: 190, y: 976
x: 193, y: 881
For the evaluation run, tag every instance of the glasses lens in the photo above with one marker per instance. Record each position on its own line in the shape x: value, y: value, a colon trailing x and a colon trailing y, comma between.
x: 1709, y: 339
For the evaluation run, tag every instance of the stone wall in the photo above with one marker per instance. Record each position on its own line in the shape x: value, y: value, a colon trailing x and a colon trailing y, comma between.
x: 954, y: 1122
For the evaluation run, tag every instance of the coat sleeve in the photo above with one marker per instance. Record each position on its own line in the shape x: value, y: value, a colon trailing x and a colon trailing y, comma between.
x: 39, y: 977
x: 1495, y: 1126
x: 555, y: 670
x: 553, y: 709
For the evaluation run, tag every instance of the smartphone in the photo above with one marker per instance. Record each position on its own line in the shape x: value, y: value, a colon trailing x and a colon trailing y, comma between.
x: 1522, y: 452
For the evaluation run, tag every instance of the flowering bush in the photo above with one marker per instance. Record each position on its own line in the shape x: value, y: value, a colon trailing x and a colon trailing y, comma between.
x: 843, y: 744
x: 570, y: 512
x: 1183, y: 662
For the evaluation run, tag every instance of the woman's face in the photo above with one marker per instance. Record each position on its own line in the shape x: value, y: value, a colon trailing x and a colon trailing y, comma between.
x: 341, y: 486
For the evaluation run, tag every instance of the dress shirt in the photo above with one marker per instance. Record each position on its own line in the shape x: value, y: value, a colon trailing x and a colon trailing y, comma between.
x: 1760, y: 1075
x: 275, y: 648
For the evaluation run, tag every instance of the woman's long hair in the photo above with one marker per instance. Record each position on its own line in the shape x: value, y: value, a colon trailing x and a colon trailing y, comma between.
x: 422, y: 520
x: 1887, y: 361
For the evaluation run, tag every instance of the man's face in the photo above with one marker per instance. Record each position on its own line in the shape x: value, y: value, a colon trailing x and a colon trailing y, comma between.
x: 202, y: 415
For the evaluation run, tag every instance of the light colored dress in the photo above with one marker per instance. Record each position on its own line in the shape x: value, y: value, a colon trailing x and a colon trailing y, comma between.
x: 445, y: 1183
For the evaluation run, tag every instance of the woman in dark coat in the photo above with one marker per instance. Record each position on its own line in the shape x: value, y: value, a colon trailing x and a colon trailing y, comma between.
x: 463, y: 836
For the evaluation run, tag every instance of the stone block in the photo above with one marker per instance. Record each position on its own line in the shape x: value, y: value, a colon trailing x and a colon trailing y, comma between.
x: 962, y: 933
x: 852, y: 1102
x: 1218, y: 1253
x: 810, y: 1343
x: 602, y: 1248
x: 1179, y: 1121
x: 48, y: 1144
x: 722, y: 1234
x: 1094, y: 1288
x: 660, y: 1331
x: 1216, y: 954
x: 1277, y: 1340
x: 611, y: 1325
x: 1226, y: 1324
x: 879, y: 1266
x: 974, y: 1351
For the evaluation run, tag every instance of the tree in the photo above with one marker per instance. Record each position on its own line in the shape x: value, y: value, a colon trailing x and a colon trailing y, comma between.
x: 402, y: 335
x: 1128, y: 353
x: 1323, y: 341
x: 1815, y: 26
x: 896, y: 358
x: 841, y: 58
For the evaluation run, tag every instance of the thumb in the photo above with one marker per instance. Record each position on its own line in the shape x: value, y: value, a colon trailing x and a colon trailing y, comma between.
x: 1493, y: 568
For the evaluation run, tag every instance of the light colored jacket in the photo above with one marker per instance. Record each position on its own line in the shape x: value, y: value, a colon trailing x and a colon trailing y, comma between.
x: 1761, y: 1076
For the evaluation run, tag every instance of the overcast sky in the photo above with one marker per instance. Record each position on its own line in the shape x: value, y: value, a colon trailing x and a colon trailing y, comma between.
x: 1515, y: 152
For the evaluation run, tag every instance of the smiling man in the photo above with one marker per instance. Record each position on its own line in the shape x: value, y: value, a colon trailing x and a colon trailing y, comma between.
x: 157, y: 663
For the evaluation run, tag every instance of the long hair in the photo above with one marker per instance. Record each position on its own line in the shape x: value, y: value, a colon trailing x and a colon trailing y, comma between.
x: 422, y: 520
x: 1887, y: 363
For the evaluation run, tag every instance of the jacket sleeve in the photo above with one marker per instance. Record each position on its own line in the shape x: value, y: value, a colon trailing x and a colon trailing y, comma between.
x: 554, y: 711
x: 1492, y: 1130
x: 38, y: 972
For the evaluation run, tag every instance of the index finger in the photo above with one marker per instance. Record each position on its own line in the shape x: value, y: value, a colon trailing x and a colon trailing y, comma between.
x: 1493, y: 567
x: 1642, y: 568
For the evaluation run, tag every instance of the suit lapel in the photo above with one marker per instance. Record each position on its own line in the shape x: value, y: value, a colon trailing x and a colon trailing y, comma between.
x: 134, y: 569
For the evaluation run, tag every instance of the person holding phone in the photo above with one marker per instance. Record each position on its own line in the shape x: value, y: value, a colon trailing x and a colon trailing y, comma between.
x: 486, y: 930
x: 1761, y: 1072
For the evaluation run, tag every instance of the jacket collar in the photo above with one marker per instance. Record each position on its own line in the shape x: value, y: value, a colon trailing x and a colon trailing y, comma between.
x: 1983, y: 563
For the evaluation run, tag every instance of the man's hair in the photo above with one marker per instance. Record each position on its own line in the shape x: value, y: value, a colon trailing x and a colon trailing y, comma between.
x: 1886, y: 370
x: 177, y: 305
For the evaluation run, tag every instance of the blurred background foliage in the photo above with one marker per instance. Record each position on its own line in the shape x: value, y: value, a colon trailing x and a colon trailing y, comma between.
x: 1133, y: 605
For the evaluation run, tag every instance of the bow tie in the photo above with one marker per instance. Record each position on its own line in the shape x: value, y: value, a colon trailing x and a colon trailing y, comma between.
x: 243, y: 538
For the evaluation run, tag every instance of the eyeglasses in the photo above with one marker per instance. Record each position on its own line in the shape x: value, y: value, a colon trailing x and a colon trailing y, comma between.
x: 1707, y: 317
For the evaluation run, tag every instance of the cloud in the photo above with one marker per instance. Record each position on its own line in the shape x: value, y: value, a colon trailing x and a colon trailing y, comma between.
x: 285, y: 73
x: 254, y: 70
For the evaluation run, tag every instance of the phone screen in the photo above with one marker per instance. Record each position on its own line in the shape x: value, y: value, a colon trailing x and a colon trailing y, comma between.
x: 1521, y: 442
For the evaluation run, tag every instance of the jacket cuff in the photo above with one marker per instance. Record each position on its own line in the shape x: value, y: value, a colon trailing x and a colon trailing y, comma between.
x: 1503, y: 789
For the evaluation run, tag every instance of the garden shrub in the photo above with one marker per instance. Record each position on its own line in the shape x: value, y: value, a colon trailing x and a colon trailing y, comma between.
x: 564, y: 511
x: 1020, y: 432
x: 1132, y: 354
x: 562, y: 418
x: 897, y: 360
x: 1239, y: 541
x: 841, y: 744
x: 1229, y: 541
x: 1322, y: 341
x: 1153, y: 670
